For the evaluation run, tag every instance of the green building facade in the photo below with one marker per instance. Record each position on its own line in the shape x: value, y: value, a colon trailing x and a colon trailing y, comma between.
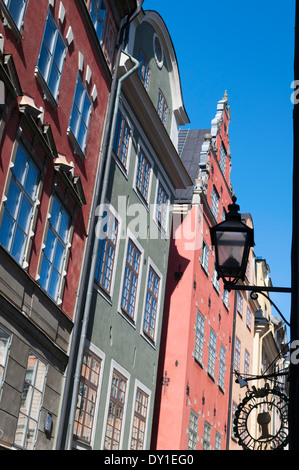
x: 119, y: 372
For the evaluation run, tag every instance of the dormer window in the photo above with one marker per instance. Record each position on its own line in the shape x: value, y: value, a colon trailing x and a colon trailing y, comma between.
x: 144, y: 70
x: 162, y: 107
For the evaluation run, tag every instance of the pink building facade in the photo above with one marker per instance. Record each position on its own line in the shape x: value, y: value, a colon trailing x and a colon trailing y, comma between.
x: 193, y: 398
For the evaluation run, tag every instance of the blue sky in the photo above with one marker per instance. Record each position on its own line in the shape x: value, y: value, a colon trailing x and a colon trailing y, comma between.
x: 246, y: 48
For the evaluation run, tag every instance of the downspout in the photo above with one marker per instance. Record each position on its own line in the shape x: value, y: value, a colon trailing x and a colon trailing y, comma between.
x: 229, y: 417
x: 64, y: 436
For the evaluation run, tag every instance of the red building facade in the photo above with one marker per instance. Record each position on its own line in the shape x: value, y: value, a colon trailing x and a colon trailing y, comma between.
x: 56, y: 61
x: 193, y: 397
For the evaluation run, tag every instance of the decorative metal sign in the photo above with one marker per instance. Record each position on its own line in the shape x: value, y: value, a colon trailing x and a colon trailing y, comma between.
x: 269, y: 409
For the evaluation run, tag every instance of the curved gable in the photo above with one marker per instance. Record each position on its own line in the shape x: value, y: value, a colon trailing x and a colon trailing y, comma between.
x: 154, y: 47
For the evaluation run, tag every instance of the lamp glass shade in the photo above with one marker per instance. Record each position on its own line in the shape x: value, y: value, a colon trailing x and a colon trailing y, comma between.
x: 231, y: 247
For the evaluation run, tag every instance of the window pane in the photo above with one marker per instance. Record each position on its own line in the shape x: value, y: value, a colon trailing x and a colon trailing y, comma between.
x: 49, y: 249
x: 31, y: 181
x: 19, y: 245
x: 6, y: 232
x: 54, y: 284
x: 13, y: 199
x: 25, y: 214
x: 20, y: 164
x: 45, y: 273
x: 44, y: 61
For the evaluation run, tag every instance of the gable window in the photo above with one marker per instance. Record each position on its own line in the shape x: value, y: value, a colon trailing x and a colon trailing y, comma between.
x: 205, y: 253
x: 237, y: 355
x: 143, y: 175
x: 216, y: 281
x: 217, y: 441
x: 98, y: 12
x: 31, y: 403
x: 151, y: 304
x: 106, y: 253
x: 19, y: 205
x: 222, y: 161
x: 87, y: 396
x: 239, y: 303
x: 162, y: 207
x: 144, y: 70
x: 226, y: 298
x: 206, y: 441
x: 80, y: 114
x: 221, y: 367
x: 246, y: 363
x: 55, y: 250
x: 51, y: 56
x: 5, y: 340
x: 212, y: 353
x: 132, y: 268
x: 121, y: 139
x: 17, y: 9
x: 199, y: 337
x: 116, y: 411
x: 139, y: 421
x: 248, y: 318
x: 162, y: 107
x: 192, y: 430
x: 215, y: 203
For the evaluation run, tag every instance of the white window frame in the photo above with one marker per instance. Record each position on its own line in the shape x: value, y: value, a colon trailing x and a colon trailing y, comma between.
x: 67, y: 246
x: 110, y: 209
x: 212, y: 353
x: 152, y: 265
x: 199, y: 337
x: 148, y: 392
x: 101, y: 355
x: 222, y: 367
x: 127, y: 375
x: 79, y: 147
x: 35, y: 202
x: 124, y: 168
x: 215, y: 203
x: 141, y: 148
x: 5, y: 354
x: 16, y: 23
x: 48, y: 93
x: 205, y: 257
x: 132, y: 321
x: 163, y: 230
x: 40, y: 404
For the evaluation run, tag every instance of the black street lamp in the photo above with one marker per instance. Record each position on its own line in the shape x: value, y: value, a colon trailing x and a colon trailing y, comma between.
x: 232, y: 240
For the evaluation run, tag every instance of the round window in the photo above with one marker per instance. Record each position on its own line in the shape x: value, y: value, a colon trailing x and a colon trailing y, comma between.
x: 158, y: 51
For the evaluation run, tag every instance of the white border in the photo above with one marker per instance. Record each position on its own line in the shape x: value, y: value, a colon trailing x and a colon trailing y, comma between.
x: 121, y: 370
x: 152, y: 342
x: 141, y: 249
x: 146, y: 390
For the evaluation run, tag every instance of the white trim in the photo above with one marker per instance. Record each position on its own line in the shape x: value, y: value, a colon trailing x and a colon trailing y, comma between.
x: 146, y: 390
x: 121, y: 370
x: 141, y: 146
x: 116, y: 215
x: 124, y: 169
x: 167, y: 230
x: 101, y: 355
x: 151, y: 264
x: 141, y: 249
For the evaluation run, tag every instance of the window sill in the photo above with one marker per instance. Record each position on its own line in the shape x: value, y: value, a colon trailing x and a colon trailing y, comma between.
x: 76, y: 147
x: 45, y: 89
x: 9, y: 22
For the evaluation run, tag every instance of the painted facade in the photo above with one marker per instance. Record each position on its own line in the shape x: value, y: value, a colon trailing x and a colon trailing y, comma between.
x: 198, y: 314
x: 55, y: 72
x: 125, y: 317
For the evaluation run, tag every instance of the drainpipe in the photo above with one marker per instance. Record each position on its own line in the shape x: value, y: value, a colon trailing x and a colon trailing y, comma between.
x: 229, y: 417
x: 87, y: 277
